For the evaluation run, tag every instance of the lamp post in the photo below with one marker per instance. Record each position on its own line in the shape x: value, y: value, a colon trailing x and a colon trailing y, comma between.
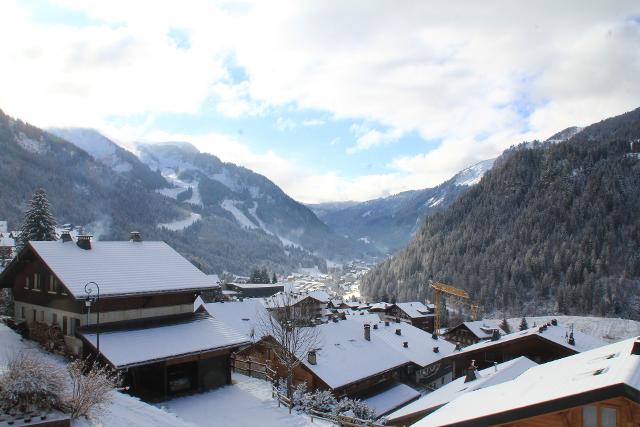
x: 88, y: 289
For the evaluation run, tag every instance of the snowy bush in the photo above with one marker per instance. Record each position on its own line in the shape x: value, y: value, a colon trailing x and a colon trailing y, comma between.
x: 91, y: 387
x: 30, y: 381
x: 354, y: 408
x: 342, y: 406
x: 319, y: 400
x: 281, y: 386
x: 298, y: 393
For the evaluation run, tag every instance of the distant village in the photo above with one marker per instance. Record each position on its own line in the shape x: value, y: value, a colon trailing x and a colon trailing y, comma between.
x: 171, y: 330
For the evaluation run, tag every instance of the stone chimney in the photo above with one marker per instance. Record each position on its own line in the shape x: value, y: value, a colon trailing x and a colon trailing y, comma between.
x: 84, y: 241
x: 398, y: 332
x: 65, y: 236
x: 367, y: 332
x: 136, y: 237
x: 311, y: 357
x: 471, y: 372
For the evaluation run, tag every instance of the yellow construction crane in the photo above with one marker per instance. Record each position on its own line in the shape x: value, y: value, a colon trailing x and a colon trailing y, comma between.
x: 462, y: 298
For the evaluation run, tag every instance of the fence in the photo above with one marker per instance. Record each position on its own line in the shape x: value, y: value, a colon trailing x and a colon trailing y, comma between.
x: 253, y: 368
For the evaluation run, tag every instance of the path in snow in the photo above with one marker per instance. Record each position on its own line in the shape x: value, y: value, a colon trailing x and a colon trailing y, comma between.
x: 241, y: 218
x: 246, y: 403
x: 182, y: 223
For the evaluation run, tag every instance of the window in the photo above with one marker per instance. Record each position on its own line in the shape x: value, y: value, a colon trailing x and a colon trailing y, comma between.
x: 42, y: 316
x: 36, y: 282
x: 74, y: 325
x: 35, y: 313
x: 53, y: 284
x: 54, y: 319
x: 26, y: 282
x: 599, y: 416
x: 23, y: 314
x: 64, y: 325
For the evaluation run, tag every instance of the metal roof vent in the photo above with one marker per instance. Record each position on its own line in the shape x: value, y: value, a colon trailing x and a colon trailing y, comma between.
x: 367, y: 332
x: 84, y: 241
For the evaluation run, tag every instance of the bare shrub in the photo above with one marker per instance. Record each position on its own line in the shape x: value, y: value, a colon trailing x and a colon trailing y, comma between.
x: 31, y: 382
x: 92, y: 385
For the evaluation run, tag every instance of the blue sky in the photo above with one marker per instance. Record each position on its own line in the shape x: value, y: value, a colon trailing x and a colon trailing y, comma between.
x: 330, y: 100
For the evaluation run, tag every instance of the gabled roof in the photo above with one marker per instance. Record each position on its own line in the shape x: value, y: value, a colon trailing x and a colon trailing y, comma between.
x: 142, y: 345
x: 505, y: 371
x: 556, y: 334
x: 595, y: 375
x: 414, y: 309
x: 343, y: 355
x: 121, y: 268
x: 483, y: 329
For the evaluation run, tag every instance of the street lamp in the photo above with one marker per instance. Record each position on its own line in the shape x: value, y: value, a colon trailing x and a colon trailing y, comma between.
x: 88, y: 289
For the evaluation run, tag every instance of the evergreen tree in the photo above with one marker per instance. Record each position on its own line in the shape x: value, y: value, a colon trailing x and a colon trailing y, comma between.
x: 255, y: 276
x: 274, y: 279
x: 504, y: 325
x: 264, y: 276
x: 39, y: 223
x: 523, y: 324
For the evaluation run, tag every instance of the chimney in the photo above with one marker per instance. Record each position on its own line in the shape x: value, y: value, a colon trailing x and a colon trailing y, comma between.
x: 458, y: 346
x: 434, y: 336
x: 405, y: 344
x: 398, y: 332
x: 311, y: 357
x: 436, y: 349
x: 471, y: 372
x: 375, y: 326
x: 554, y: 322
x: 367, y: 332
x: 495, y: 336
x: 84, y: 241
x: 386, y: 323
x: 136, y: 237
x: 571, y: 340
x: 65, y: 236
x: 397, y: 320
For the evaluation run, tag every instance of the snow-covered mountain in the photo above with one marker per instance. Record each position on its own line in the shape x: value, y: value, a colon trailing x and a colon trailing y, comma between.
x: 390, y: 222
x: 110, y: 154
x: 215, y: 188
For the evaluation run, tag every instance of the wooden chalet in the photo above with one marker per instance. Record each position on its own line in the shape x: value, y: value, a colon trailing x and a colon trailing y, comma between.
x: 541, y: 344
x: 596, y: 388
x: 255, y: 290
x: 415, y: 313
x: 147, y: 291
x: 467, y: 333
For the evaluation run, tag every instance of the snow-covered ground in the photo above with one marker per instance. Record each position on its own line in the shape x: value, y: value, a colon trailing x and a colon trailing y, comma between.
x: 473, y: 174
x: 124, y: 410
x: 179, y: 186
x: 241, y: 218
x: 182, y: 223
x: 608, y: 329
x: 247, y: 402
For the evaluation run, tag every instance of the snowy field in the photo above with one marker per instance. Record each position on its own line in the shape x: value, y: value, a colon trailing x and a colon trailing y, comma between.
x: 247, y: 402
x: 608, y: 329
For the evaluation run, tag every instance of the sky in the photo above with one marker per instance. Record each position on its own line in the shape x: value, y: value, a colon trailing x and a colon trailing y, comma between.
x: 331, y: 100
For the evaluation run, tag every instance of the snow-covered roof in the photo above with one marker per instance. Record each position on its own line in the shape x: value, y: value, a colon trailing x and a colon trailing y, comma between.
x: 391, y: 398
x: 413, y: 309
x: 380, y: 306
x: 343, y: 355
x: 243, y: 316
x: 257, y: 285
x: 505, y: 371
x: 557, y: 334
x: 420, y: 344
x: 282, y: 299
x: 121, y: 268
x: 482, y: 329
x: 136, y: 346
x: 592, y: 371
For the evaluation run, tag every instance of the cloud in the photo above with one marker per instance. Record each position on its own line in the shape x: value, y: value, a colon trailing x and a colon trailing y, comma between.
x: 477, y: 78
x: 313, y: 122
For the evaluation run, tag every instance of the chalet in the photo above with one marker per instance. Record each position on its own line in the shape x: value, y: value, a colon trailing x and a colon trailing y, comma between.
x: 429, y: 403
x: 599, y: 387
x: 467, y: 333
x: 7, y: 243
x: 541, y: 344
x: 380, y: 307
x: 415, y: 313
x: 255, y: 290
x: 311, y: 304
x: 129, y: 303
